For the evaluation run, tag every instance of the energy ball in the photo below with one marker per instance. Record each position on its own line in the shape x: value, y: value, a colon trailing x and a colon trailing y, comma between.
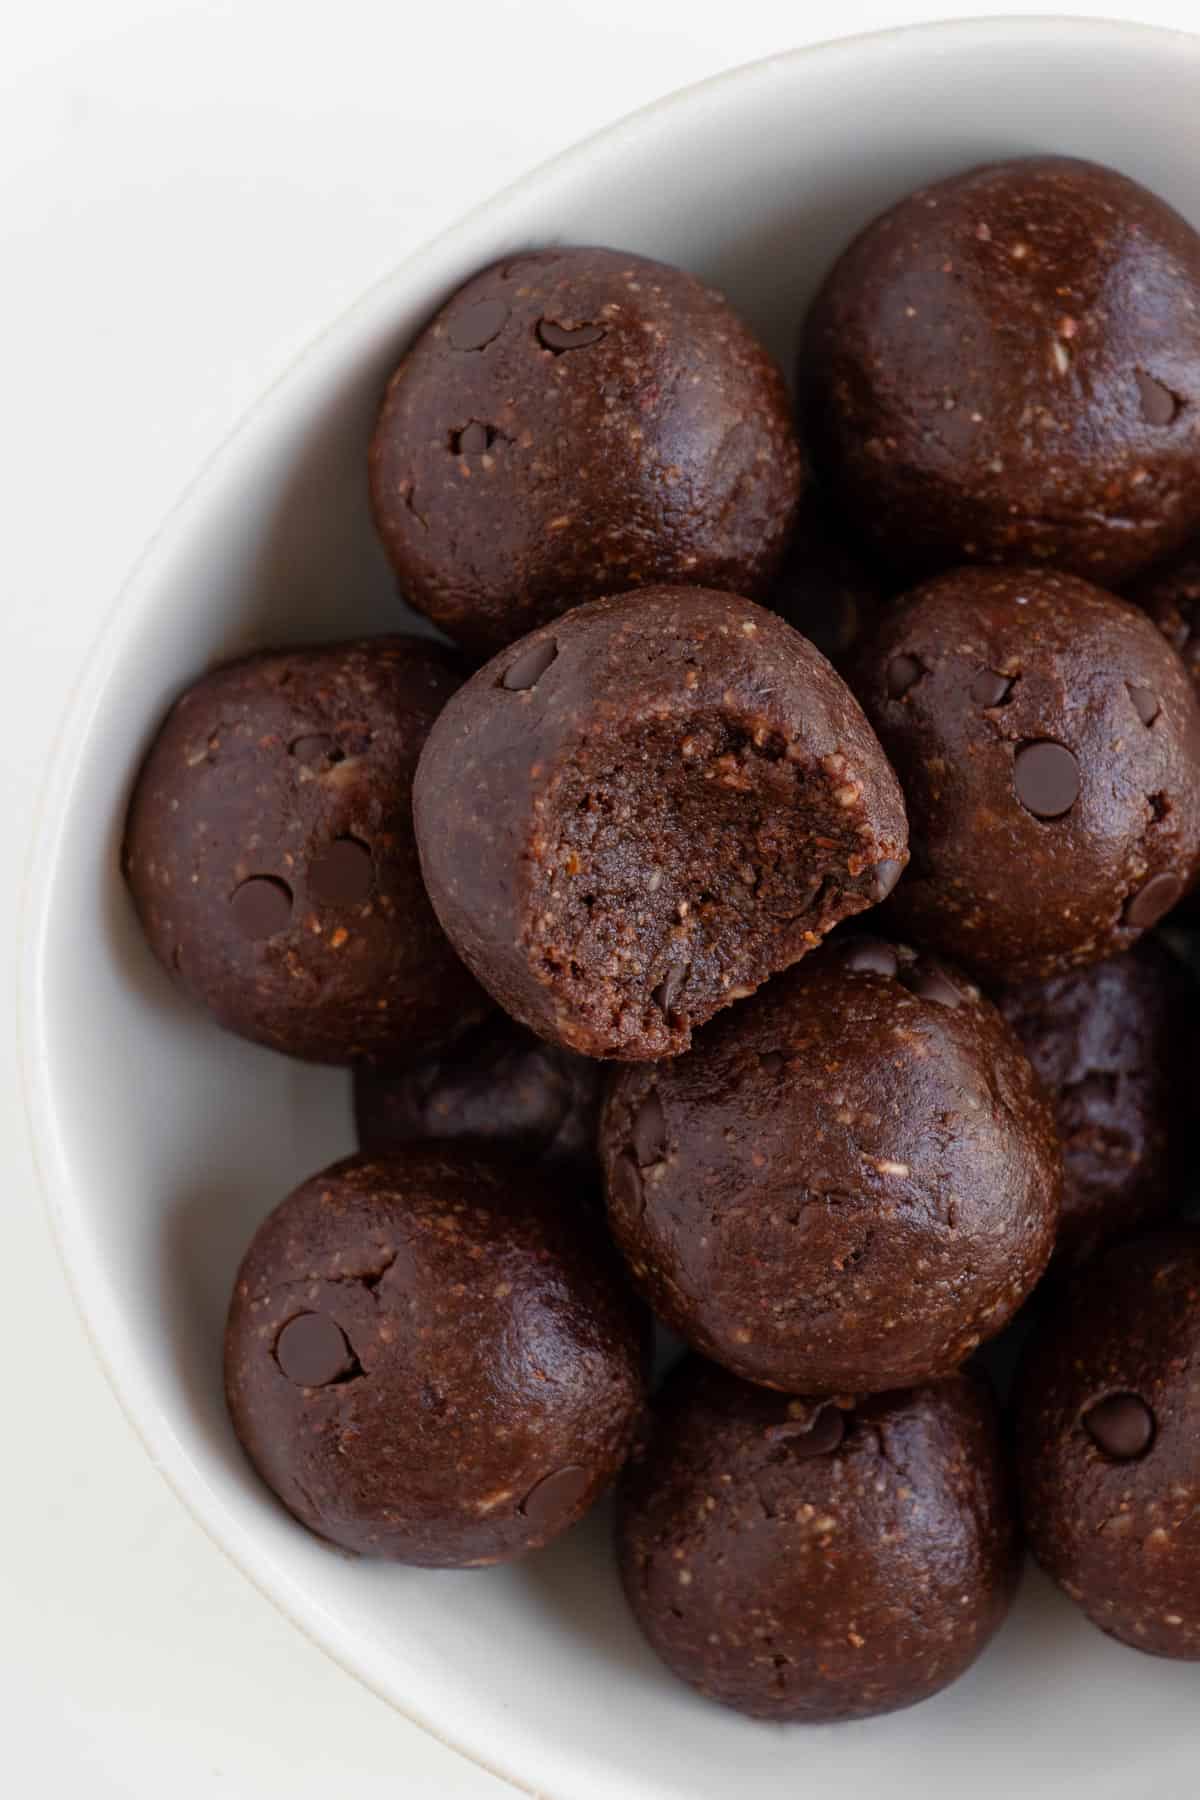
x: 1006, y: 368
x: 1048, y: 742
x: 269, y: 851
x: 428, y: 1359
x: 1107, y: 1424
x: 578, y: 422
x: 811, y: 1562
x: 846, y: 1185
x: 1171, y: 595
x: 1115, y: 1047
x: 634, y: 816
x: 499, y: 1088
x: 826, y: 589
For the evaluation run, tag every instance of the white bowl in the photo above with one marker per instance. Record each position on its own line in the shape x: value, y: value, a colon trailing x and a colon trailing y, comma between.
x: 163, y: 1142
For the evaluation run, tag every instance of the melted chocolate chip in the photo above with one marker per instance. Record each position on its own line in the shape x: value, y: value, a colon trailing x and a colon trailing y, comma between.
x: 649, y: 1131
x: 1151, y: 902
x: 471, y: 439
x: 1046, y: 779
x: 261, y: 906
x: 871, y: 956
x: 1159, y: 404
x: 529, y: 667
x: 903, y: 672
x: 556, y: 1495
x: 560, y: 337
x: 1121, y: 1425
x: 1146, y: 703
x: 342, y: 874
x: 990, y: 688
x: 477, y: 325
x: 312, y: 1351
x: 887, y: 874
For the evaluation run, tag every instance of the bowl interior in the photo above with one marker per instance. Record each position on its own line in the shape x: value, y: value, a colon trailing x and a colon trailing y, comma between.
x: 164, y: 1142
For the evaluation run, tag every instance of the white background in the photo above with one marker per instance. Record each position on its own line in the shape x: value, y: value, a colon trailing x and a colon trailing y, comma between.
x: 188, y: 192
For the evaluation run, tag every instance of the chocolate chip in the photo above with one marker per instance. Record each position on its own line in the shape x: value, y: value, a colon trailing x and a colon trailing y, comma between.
x: 871, y: 956
x: 625, y: 1191
x: 1146, y: 703
x: 559, y: 337
x: 312, y: 1351
x: 991, y: 689
x: 529, y: 667
x: 471, y: 439
x: 556, y: 1496
x: 887, y: 874
x: 1121, y: 1425
x: 1159, y: 404
x: 671, y: 986
x: 771, y: 1062
x: 312, y: 749
x: 821, y: 1437
x: 342, y: 874
x: 903, y: 672
x: 932, y: 983
x: 1151, y: 902
x: 649, y: 1131
x: 1046, y: 779
x: 261, y: 906
x: 477, y: 325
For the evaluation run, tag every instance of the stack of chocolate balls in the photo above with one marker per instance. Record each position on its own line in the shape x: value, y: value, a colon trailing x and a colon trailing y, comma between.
x: 584, y: 919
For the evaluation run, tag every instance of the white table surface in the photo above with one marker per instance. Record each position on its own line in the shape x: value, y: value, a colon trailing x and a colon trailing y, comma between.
x: 188, y: 191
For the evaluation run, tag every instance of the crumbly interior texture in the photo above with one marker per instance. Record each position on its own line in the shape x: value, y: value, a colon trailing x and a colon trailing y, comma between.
x: 687, y: 869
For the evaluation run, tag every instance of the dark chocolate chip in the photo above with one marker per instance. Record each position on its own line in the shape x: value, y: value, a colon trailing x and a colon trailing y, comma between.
x: 261, y: 906
x: 471, y: 439
x: 1146, y: 703
x: 991, y: 689
x: 1121, y: 1425
x: 649, y: 1131
x: 821, y: 1437
x: 312, y: 749
x: 1046, y: 778
x: 477, y: 325
x: 903, y: 672
x: 312, y: 1351
x: 1151, y: 902
x: 871, y: 956
x: 933, y: 984
x: 559, y: 338
x: 771, y: 1062
x: 1159, y: 404
x: 671, y: 986
x: 557, y: 1495
x: 529, y: 667
x: 887, y: 874
x: 342, y: 874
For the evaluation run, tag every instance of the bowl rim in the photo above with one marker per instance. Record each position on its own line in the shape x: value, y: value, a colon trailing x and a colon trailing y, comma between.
x: 120, y: 622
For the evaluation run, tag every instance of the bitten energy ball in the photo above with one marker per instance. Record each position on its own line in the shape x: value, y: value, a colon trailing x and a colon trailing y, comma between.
x: 577, y: 422
x: 500, y: 1088
x: 1048, y: 742
x: 428, y: 1358
x: 1006, y: 368
x: 846, y: 1184
x: 1171, y: 595
x: 269, y: 851
x: 635, y: 816
x: 811, y: 1562
x: 1115, y: 1046
x: 826, y: 590
x: 1108, y: 1443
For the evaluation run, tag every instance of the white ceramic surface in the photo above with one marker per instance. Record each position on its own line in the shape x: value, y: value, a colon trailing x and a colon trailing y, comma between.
x: 162, y: 1142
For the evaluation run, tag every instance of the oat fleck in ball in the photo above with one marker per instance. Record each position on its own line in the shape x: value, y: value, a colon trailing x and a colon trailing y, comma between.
x: 1107, y: 1423
x: 1115, y: 1046
x: 498, y: 1088
x: 1006, y: 368
x: 811, y: 1562
x: 269, y: 851
x: 427, y: 1358
x: 577, y: 422
x: 1047, y: 739
x: 846, y: 1184
x: 634, y: 816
